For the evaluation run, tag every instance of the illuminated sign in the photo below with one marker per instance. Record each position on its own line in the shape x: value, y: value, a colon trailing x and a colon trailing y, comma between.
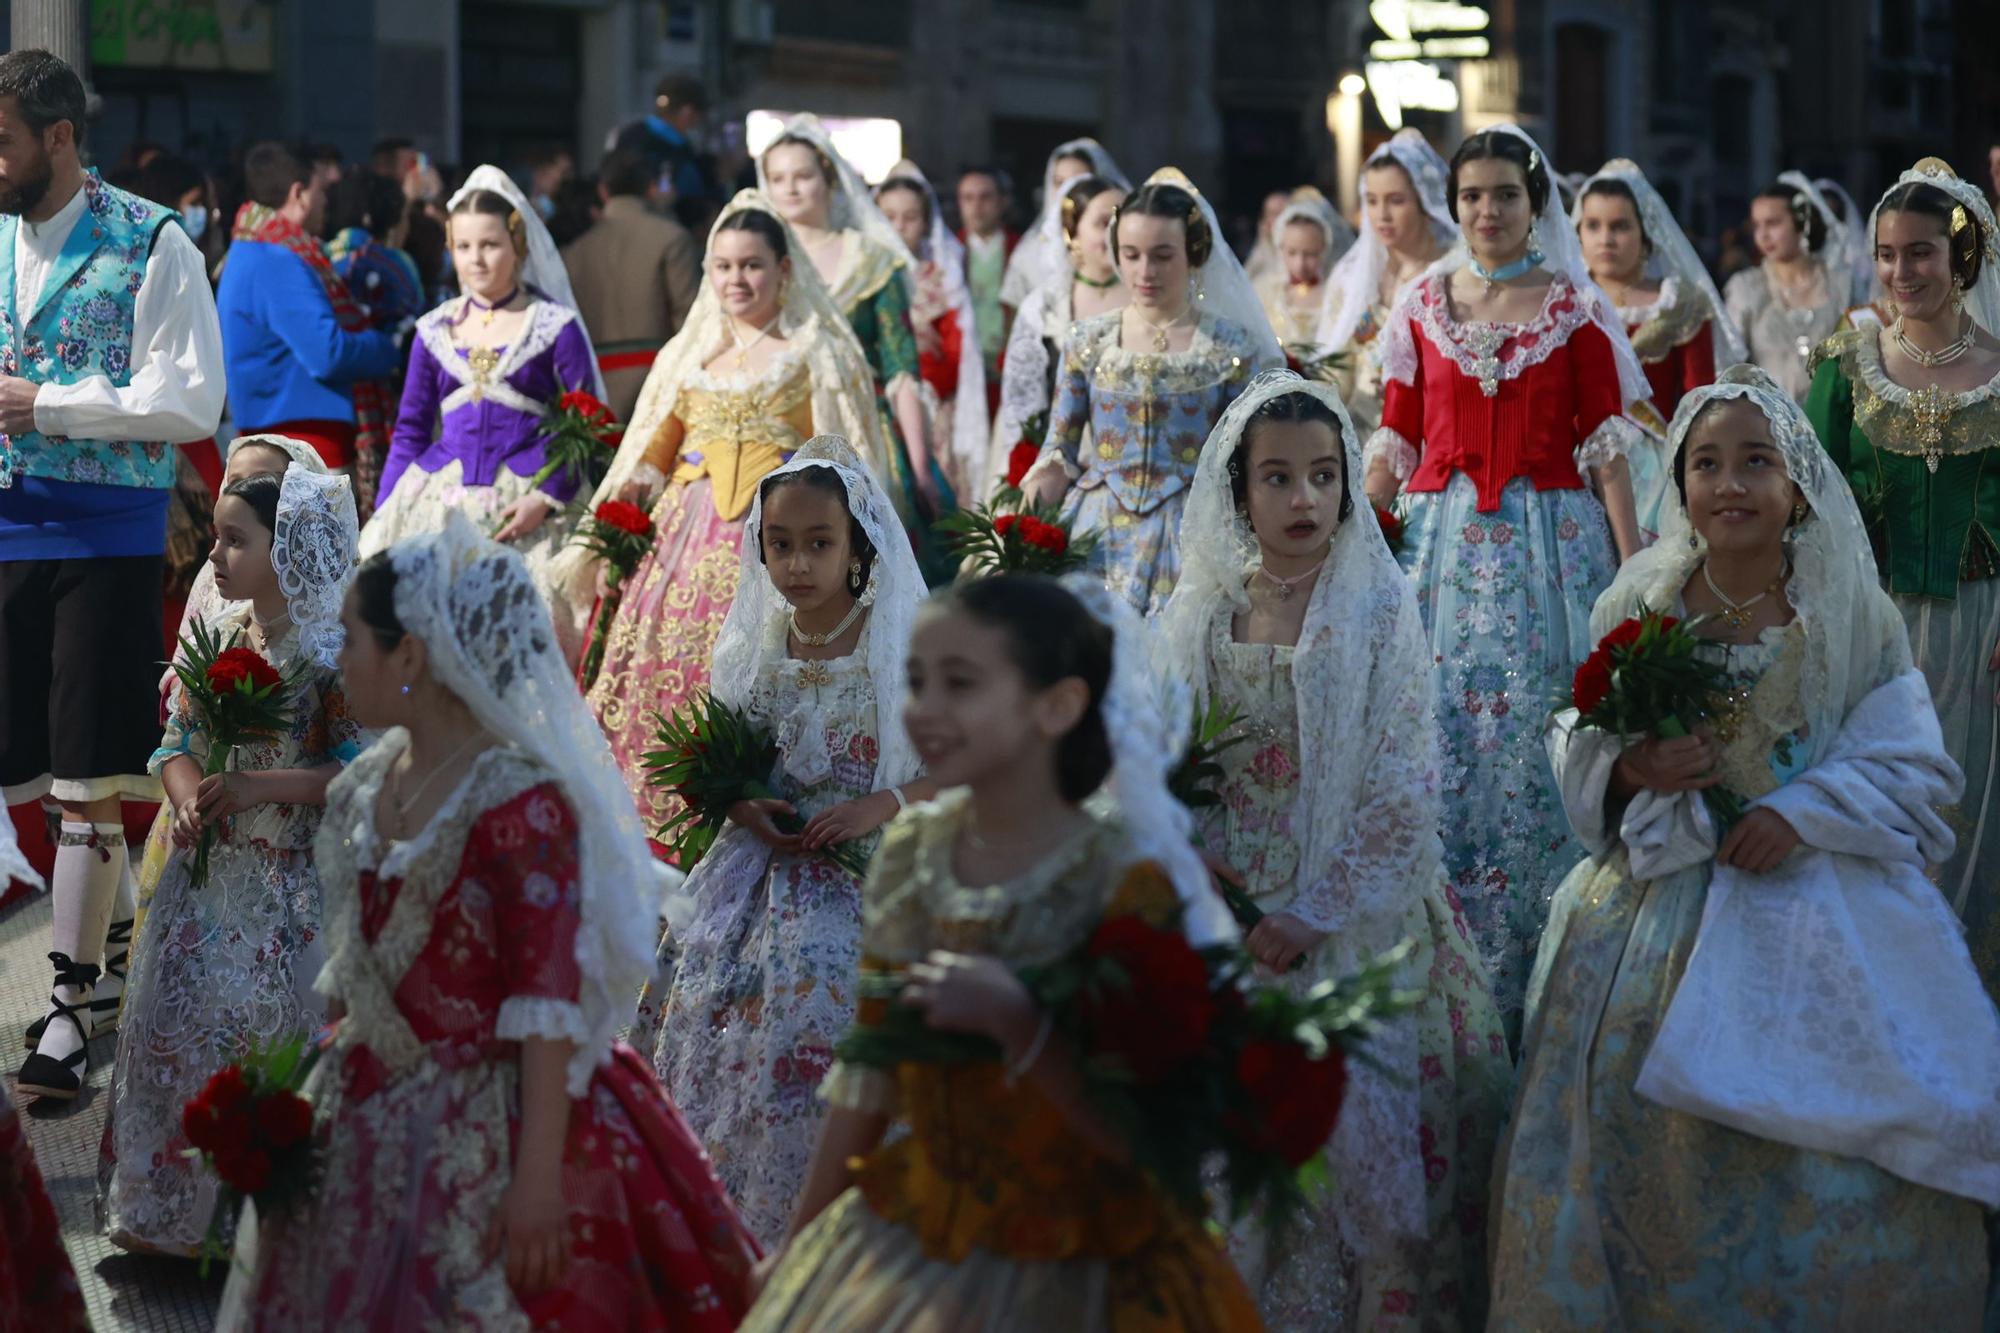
x: 873, y: 146
x: 1431, y: 48
x: 1402, y: 20
x: 1411, y: 85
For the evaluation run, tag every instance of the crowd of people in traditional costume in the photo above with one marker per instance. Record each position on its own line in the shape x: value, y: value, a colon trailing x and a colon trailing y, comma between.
x: 1375, y: 495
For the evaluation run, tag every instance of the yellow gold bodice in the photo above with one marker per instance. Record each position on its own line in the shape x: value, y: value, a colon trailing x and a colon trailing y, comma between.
x: 735, y: 435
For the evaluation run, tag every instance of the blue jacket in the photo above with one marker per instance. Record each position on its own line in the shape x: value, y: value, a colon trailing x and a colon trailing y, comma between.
x: 288, y: 357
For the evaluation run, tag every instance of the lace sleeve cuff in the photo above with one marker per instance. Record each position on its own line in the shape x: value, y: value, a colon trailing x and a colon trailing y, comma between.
x: 542, y: 1016
x: 650, y: 477
x: 1052, y: 457
x: 1389, y: 446
x: 860, y: 1088
x: 1320, y: 905
x: 1615, y: 437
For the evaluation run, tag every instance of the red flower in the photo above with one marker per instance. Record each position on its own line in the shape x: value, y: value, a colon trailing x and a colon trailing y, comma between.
x: 1046, y: 536
x: 624, y: 517
x: 243, y: 1168
x: 283, y: 1119
x: 1625, y: 633
x: 1161, y: 1015
x: 1019, y: 459
x: 1392, y: 527
x: 586, y: 405
x: 227, y: 1089
x: 201, y: 1125
x: 1592, y: 683
x: 1293, y: 364
x: 233, y: 666
x: 1296, y: 1098
x: 1006, y: 524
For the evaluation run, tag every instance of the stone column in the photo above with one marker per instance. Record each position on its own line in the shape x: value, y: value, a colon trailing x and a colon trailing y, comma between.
x: 61, y: 27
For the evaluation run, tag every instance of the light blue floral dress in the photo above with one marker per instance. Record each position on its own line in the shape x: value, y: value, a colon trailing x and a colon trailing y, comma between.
x: 1148, y: 416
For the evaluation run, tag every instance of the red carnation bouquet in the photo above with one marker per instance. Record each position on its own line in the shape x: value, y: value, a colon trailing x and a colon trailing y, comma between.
x: 237, y: 697
x: 1027, y: 449
x: 578, y: 435
x: 1392, y: 529
x: 712, y: 756
x: 1181, y: 1052
x: 620, y: 535
x: 1644, y: 678
x: 1013, y: 536
x: 253, y: 1128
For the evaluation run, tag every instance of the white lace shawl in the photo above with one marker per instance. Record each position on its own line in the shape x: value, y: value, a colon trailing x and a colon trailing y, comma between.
x: 1837, y: 253
x: 486, y: 628
x: 1024, y: 370
x: 314, y: 545
x: 852, y: 205
x: 968, y: 430
x: 1366, y: 813
x: 843, y: 387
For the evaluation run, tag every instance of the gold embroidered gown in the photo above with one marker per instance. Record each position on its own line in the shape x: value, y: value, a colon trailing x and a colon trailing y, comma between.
x: 726, y: 434
x: 991, y: 1213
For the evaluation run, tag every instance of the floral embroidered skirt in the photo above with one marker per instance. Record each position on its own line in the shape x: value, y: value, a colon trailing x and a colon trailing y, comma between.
x: 663, y: 636
x: 416, y: 1167
x: 38, y: 1287
x: 1952, y: 642
x: 423, y: 499
x: 1615, y: 1212
x: 1138, y: 555
x: 215, y: 969
x: 1506, y: 600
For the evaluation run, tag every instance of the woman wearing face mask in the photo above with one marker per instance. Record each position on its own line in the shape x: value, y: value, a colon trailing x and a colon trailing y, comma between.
x: 1082, y: 284
x: 1794, y: 297
x: 1149, y: 382
x: 871, y: 276
x: 764, y: 362
x: 953, y: 380
x: 1309, y: 238
x: 1911, y: 413
x: 1409, y: 225
x: 1503, y: 429
x: 484, y: 370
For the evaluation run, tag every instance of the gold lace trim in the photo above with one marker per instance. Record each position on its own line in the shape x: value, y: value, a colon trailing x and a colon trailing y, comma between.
x: 1672, y: 324
x: 1754, y: 719
x: 1929, y: 423
x: 865, y: 269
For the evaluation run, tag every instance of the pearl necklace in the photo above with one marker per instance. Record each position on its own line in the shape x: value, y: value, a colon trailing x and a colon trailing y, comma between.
x: 743, y: 349
x: 821, y: 640
x: 1945, y: 355
x: 1738, y: 614
x: 1285, y: 586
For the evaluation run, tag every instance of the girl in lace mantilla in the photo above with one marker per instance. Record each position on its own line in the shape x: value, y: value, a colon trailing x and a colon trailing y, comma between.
x: 1292, y: 614
x: 1503, y: 430
x: 1007, y: 1204
x: 1760, y: 1072
x: 231, y: 963
x: 756, y: 972
x: 1792, y: 298
x: 491, y: 1159
x: 764, y: 361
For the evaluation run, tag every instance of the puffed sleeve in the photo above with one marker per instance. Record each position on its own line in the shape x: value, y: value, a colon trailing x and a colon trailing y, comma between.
x: 895, y: 342
x: 1603, y: 431
x: 525, y: 853
x: 416, y: 417
x: 1830, y: 408
x: 1399, y: 439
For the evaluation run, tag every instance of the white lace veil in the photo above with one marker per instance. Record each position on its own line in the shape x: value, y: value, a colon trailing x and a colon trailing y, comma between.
x: 970, y: 430
x: 1309, y: 205
x: 1982, y: 302
x: 1837, y: 251
x: 1356, y: 280
x: 755, y: 628
x: 486, y: 627
x: 1854, y: 636
x: 1863, y: 260
x: 843, y: 387
x: 1221, y: 287
x: 1366, y: 811
x: 1043, y: 252
x: 1556, y: 239
x: 1673, y: 255
x: 313, y: 549
x: 1146, y: 717
x: 542, y: 268
x: 204, y: 603
x: 852, y: 206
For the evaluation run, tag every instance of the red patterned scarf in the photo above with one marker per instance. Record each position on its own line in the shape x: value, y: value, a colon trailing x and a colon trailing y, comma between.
x: 374, y: 400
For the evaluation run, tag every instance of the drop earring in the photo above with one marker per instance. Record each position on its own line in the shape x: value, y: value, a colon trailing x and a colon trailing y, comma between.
x: 1799, y: 512
x: 854, y: 577
x: 1958, y: 293
x: 1694, y: 540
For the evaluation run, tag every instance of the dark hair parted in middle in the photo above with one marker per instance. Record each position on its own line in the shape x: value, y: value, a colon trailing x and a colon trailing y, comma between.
x: 1500, y: 146
x: 1611, y: 187
x: 1961, y: 230
x: 1809, y: 221
x: 827, y: 480
x: 757, y: 223
x: 1300, y: 407
x: 1163, y: 199
x: 1051, y: 636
